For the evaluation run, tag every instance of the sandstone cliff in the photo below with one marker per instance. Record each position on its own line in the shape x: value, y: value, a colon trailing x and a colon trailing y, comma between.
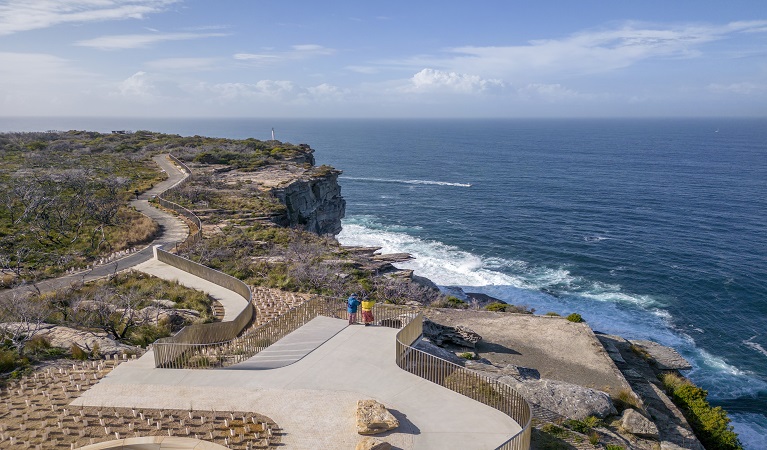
x: 313, y: 203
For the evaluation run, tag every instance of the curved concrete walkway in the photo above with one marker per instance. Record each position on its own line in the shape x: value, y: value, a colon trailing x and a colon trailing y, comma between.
x: 172, y: 230
x: 231, y: 301
x: 314, y: 399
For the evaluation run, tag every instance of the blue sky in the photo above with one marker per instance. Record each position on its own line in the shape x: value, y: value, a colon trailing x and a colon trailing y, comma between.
x: 237, y: 58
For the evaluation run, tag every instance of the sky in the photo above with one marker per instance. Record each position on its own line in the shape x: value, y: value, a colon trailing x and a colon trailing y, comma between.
x: 356, y: 59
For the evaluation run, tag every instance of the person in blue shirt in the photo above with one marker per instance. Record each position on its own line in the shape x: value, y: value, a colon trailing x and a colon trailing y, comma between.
x: 351, y: 308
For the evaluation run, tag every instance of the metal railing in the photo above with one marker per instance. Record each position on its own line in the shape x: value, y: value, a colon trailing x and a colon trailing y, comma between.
x: 464, y: 381
x: 168, y: 351
x: 194, y: 235
x: 190, y: 354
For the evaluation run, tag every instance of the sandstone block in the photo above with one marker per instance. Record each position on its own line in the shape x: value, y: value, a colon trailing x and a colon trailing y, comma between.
x: 371, y: 443
x: 374, y: 418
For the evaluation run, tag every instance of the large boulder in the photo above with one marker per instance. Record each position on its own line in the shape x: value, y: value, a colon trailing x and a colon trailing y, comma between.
x: 374, y: 418
x: 443, y: 335
x: 371, y: 443
x: 568, y: 400
x: 634, y: 423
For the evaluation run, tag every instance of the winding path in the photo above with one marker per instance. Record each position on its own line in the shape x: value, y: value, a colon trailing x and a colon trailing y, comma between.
x: 172, y: 230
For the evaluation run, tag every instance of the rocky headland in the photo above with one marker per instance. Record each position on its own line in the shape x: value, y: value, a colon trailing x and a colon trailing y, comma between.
x: 587, y: 389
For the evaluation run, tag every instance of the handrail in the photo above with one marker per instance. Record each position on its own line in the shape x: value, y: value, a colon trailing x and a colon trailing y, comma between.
x: 168, y: 350
x: 194, y: 236
x: 225, y: 353
x: 464, y: 381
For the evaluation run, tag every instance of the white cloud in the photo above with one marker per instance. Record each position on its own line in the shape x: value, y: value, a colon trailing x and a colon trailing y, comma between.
x: 549, y: 92
x: 137, y: 87
x: 326, y: 91
x: 183, y: 64
x: 431, y: 80
x: 363, y: 69
x: 24, y: 15
x: 297, y: 52
x: 126, y: 41
x: 743, y: 88
x: 587, y: 52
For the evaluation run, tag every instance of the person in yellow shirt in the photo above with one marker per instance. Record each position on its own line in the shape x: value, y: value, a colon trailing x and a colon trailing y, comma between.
x: 367, y: 311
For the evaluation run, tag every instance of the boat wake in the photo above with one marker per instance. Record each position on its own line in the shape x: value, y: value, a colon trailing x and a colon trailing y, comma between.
x: 389, y: 180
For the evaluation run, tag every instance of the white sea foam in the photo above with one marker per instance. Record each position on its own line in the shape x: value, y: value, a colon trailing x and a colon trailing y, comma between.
x: 604, y: 306
x: 751, y: 429
x: 391, y: 180
x: 755, y: 345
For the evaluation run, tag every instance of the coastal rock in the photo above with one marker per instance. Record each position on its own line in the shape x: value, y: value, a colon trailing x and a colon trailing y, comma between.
x: 638, y: 425
x: 568, y: 400
x: 664, y: 358
x: 315, y: 204
x: 392, y: 257
x: 442, y: 334
x: 371, y: 443
x: 374, y: 418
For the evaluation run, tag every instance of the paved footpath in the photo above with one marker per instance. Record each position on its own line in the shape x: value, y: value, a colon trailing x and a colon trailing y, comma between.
x: 314, y: 399
x: 172, y: 230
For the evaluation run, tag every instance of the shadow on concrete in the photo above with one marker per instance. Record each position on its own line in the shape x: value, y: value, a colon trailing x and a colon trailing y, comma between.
x: 405, y: 425
x: 489, y: 347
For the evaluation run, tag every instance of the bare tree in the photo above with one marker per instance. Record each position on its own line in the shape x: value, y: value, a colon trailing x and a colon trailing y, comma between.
x: 22, y: 319
x: 110, y: 311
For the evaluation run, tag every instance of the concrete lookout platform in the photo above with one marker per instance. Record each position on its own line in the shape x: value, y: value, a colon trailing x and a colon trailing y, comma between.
x: 314, y: 398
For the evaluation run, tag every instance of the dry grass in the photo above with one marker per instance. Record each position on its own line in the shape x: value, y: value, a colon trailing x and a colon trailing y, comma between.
x: 136, y: 229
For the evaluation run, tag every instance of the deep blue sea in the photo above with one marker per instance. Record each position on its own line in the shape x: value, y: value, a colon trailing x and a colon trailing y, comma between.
x: 651, y: 229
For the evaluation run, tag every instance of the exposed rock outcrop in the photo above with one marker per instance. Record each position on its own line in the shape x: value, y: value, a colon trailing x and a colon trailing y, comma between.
x: 64, y: 337
x: 443, y: 335
x: 313, y: 203
x: 638, y: 425
x: 568, y: 400
x: 374, y: 418
x: 664, y: 358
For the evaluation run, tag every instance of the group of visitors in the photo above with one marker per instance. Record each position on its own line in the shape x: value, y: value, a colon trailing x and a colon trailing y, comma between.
x: 367, y: 310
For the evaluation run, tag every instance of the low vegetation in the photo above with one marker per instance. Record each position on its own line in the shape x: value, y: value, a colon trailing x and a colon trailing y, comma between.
x: 711, y: 424
x: 505, y: 307
x: 575, y: 317
x: 117, y: 307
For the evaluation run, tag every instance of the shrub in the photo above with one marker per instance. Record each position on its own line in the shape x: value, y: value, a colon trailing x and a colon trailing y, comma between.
x: 552, y: 314
x: 584, y: 426
x: 466, y: 355
x: 78, y: 353
x: 594, y: 438
x: 626, y: 399
x: 10, y: 360
x: 497, y: 306
x: 575, y: 317
x: 711, y: 424
x: 146, y: 334
x: 614, y: 447
x: 555, y: 430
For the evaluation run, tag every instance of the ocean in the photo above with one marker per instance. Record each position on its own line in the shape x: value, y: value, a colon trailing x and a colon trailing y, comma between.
x: 649, y: 228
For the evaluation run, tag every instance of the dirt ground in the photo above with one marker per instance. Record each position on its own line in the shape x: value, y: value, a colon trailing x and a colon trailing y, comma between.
x: 558, y: 349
